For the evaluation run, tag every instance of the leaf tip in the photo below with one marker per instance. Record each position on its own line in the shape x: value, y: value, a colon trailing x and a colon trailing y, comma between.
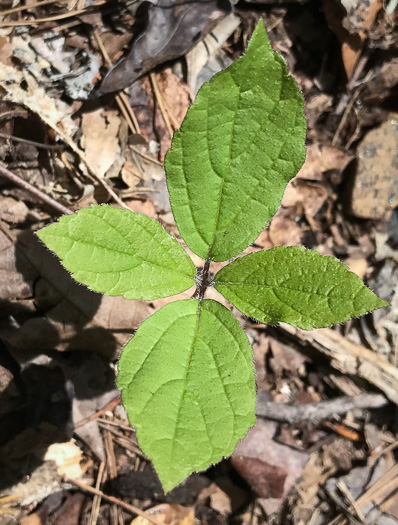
x: 259, y: 36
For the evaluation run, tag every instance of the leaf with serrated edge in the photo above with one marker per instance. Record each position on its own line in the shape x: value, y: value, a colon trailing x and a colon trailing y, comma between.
x: 239, y: 145
x: 120, y: 252
x: 297, y: 286
x: 187, y: 383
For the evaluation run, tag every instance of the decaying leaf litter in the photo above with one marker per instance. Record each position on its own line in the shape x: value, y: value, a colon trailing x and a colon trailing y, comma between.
x: 336, y: 464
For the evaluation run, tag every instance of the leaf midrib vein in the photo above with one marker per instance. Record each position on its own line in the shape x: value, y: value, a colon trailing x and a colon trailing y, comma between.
x: 153, y: 235
x: 272, y: 287
x: 132, y: 255
x: 191, y: 350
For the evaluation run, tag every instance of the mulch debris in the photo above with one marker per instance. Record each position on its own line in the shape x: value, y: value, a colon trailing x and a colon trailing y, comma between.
x: 91, y: 94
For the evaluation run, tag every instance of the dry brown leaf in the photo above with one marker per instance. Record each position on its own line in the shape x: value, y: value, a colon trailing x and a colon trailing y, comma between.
x: 52, y: 111
x: 358, y: 266
x: 169, y: 514
x: 13, y: 211
x: 146, y: 207
x: 130, y: 174
x: 140, y: 163
x: 169, y: 33
x: 220, y: 501
x: 32, y: 519
x: 100, y: 139
x: 321, y: 159
x: 310, y: 196
x: 284, y: 231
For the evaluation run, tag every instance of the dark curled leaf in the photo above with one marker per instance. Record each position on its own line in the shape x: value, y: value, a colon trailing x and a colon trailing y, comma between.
x: 173, y: 28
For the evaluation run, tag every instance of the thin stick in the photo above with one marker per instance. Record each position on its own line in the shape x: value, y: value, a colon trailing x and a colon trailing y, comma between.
x: 124, y: 441
x: 147, y: 157
x: 113, y: 424
x: 97, y: 499
x: 29, y: 6
x: 126, y: 506
x: 159, y: 99
x: 112, y: 470
x: 344, y: 490
x: 62, y: 27
x: 170, y: 113
x: 63, y: 210
x: 52, y: 18
x: 345, y: 115
x: 121, y: 98
x: 389, y: 448
x: 109, y: 406
x: 163, y: 101
x: 378, y: 486
x: 317, y: 411
x: 82, y: 157
x: 31, y: 142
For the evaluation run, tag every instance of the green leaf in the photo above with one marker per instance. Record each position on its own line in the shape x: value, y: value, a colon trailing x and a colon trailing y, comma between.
x: 297, y: 286
x: 120, y: 252
x: 187, y: 382
x: 238, y: 147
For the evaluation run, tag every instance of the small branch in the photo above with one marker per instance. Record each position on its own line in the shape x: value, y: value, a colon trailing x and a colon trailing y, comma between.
x: 316, y: 412
x: 130, y: 508
x: 160, y: 101
x: 32, y: 142
x: 26, y: 7
x: 347, y: 357
x: 62, y: 16
x: 112, y: 404
x: 121, y: 98
x: 63, y: 210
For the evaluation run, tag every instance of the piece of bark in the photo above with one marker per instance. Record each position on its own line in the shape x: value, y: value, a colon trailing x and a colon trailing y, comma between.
x: 375, y: 186
x: 350, y: 358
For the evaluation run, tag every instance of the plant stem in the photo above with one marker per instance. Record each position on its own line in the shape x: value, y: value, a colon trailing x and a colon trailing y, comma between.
x: 60, y: 208
x: 204, y: 281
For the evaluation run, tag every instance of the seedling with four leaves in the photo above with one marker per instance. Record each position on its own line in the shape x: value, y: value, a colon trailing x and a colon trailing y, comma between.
x: 187, y: 375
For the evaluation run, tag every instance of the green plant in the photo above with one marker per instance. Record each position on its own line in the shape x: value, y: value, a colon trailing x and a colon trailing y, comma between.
x: 187, y: 375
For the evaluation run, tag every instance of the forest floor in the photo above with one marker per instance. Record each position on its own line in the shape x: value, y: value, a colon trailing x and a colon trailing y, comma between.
x: 76, y: 130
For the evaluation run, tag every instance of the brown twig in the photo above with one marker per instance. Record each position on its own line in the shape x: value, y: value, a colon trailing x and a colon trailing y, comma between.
x: 123, y: 440
x: 28, y: 6
x: 113, y: 424
x: 349, y: 358
x: 381, y: 485
x: 316, y: 412
x: 63, y: 210
x: 62, y: 16
x: 97, y: 499
x: 162, y: 107
x: 121, y: 98
x: 350, y: 498
x: 147, y: 157
x: 112, y: 471
x: 31, y: 142
x: 132, y: 509
x: 109, y: 406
